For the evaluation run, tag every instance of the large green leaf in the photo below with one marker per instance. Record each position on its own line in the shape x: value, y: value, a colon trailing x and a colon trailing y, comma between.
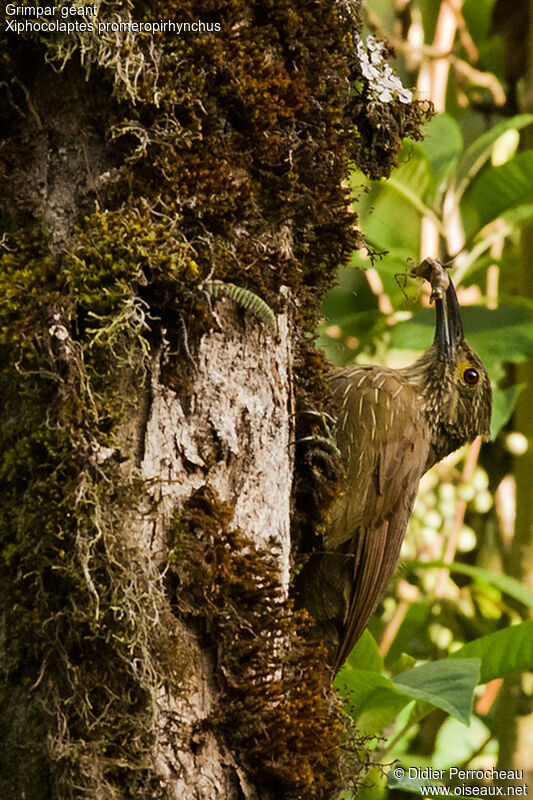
x: 375, y: 700
x: 443, y: 685
x: 442, y: 147
x: 371, y: 699
x: 456, y: 744
x: 519, y: 215
x: 503, y: 403
x: 504, y: 583
x: 478, y: 17
x: 412, y: 180
x: 503, y: 652
x: 501, y: 334
x: 511, y: 220
x: 479, y: 151
x: 499, y: 189
x: 401, y: 778
x: 393, y: 223
x: 413, y: 636
x: 414, y: 170
x: 365, y: 654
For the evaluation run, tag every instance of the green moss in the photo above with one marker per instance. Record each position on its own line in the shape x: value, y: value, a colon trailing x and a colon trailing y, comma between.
x: 129, y: 270
x: 275, y: 710
x: 29, y: 288
x: 75, y: 611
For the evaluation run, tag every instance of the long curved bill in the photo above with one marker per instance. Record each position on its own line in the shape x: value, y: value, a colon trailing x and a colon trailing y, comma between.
x: 449, y: 326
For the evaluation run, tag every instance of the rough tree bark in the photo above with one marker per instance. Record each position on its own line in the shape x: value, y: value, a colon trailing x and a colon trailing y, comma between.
x: 235, y: 439
x: 149, y: 649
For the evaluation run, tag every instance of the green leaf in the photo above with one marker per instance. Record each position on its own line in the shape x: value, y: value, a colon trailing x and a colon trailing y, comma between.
x: 499, y: 189
x: 456, y: 744
x: 401, y: 664
x: 478, y: 17
x: 498, y: 335
x: 365, y: 654
x: 443, y: 685
x: 373, y: 786
x: 519, y: 215
x: 479, y: 151
x: 442, y: 146
x: 392, y: 223
x: 411, y: 181
x: 483, y: 241
x: 505, y: 147
x: 397, y: 781
x: 503, y: 403
x: 371, y: 699
x: 501, y: 334
x: 505, y: 584
x: 414, y: 170
x: 413, y: 635
x: 503, y: 652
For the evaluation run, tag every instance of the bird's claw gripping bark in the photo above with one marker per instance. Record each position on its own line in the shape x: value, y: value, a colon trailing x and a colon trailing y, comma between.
x: 328, y: 445
x: 327, y: 440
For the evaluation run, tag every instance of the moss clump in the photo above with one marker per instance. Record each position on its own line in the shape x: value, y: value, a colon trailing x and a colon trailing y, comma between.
x: 80, y: 651
x: 275, y: 709
x: 240, y: 137
x: 128, y: 269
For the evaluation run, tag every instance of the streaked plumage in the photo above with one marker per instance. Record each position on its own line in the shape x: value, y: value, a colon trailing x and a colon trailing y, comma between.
x: 392, y: 426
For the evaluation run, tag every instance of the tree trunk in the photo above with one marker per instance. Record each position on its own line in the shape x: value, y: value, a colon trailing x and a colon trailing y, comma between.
x: 165, y: 199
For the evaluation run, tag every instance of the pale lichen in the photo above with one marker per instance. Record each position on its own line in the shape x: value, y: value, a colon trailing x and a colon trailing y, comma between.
x: 382, y: 80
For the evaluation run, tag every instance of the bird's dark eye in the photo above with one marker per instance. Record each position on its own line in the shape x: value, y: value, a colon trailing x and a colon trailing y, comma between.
x: 471, y: 376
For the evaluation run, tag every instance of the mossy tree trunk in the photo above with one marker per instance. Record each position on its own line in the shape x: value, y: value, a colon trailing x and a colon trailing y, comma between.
x: 148, y: 646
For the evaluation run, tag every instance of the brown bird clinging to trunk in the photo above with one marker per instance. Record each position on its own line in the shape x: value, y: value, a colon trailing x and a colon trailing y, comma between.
x: 392, y: 426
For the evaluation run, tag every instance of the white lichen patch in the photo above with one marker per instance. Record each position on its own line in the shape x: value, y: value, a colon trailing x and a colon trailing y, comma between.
x: 382, y: 80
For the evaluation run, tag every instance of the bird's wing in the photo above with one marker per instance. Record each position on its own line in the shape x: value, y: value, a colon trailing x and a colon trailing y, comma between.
x: 385, y: 441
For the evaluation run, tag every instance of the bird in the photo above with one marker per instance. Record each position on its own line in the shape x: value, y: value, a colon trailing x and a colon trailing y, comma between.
x: 392, y: 425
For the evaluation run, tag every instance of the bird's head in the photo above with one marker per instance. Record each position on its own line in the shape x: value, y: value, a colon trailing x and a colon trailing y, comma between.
x: 453, y: 383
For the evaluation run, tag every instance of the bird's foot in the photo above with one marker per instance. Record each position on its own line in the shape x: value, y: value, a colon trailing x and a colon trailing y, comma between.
x: 324, y: 438
x: 322, y: 443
